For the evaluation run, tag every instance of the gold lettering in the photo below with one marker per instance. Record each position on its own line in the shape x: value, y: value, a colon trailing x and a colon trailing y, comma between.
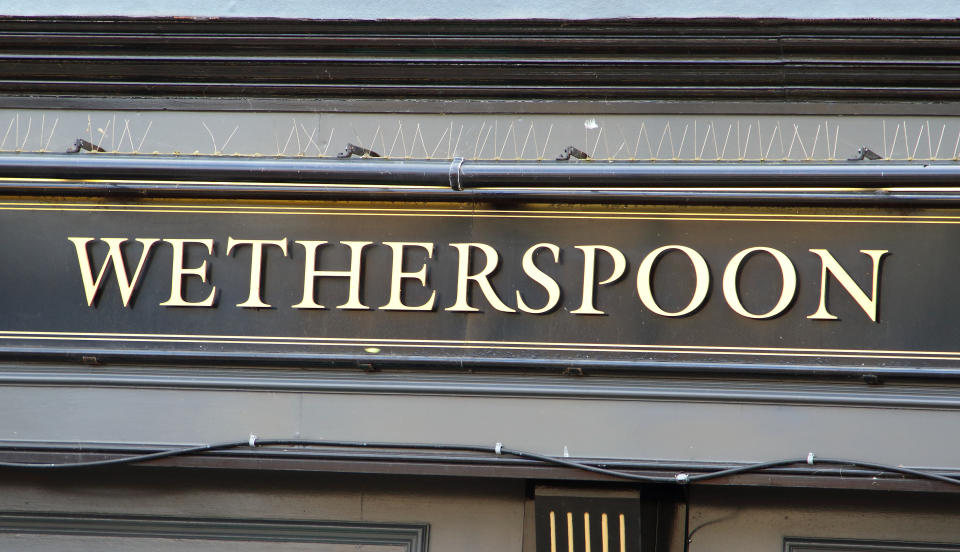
x: 589, y: 274
x: 829, y: 264
x: 732, y: 294
x: 179, y: 272
x: 538, y: 276
x: 700, y: 270
x: 115, y: 257
x: 397, y: 276
x: 254, y: 298
x: 310, y: 275
x: 462, y: 303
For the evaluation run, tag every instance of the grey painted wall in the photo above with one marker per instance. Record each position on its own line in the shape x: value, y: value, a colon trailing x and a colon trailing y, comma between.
x: 492, y: 9
x: 464, y: 515
x: 748, y: 520
x: 693, y: 427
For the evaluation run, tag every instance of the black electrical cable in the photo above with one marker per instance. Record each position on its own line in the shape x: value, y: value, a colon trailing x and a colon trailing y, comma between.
x: 188, y: 451
x: 499, y: 450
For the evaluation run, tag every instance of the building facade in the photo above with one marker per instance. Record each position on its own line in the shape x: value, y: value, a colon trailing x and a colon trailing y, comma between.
x: 504, y: 284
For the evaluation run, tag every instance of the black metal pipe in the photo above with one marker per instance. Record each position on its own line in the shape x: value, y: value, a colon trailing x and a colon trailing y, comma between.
x: 458, y: 180
x: 729, y: 174
x: 607, y: 174
x: 224, y: 169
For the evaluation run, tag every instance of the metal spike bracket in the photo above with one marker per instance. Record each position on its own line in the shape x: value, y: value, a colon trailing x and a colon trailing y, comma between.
x: 865, y: 153
x: 571, y: 151
x: 358, y: 151
x: 81, y: 144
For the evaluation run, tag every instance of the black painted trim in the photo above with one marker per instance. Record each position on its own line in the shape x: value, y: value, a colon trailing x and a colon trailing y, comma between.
x: 677, y: 388
x: 801, y: 544
x: 709, y: 367
x: 766, y: 59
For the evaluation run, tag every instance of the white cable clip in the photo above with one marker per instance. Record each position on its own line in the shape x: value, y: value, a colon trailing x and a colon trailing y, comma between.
x: 498, y: 449
x: 253, y: 440
x: 682, y: 478
x: 810, y: 457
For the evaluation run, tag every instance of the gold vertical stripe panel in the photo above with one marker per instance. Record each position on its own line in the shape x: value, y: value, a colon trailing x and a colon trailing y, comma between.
x: 623, y: 534
x: 553, y: 531
x: 570, y: 531
x: 604, y: 533
x: 586, y: 531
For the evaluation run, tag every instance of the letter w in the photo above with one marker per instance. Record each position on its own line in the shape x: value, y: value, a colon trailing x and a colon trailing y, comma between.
x: 115, y: 256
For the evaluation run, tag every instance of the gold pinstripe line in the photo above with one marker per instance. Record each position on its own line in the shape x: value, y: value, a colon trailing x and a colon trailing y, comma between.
x: 539, y: 213
x: 689, y: 217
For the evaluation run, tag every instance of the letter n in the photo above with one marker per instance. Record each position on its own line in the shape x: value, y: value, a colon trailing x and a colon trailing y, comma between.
x: 829, y: 264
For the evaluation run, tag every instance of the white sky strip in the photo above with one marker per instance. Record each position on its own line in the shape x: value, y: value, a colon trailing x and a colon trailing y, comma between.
x: 493, y: 9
